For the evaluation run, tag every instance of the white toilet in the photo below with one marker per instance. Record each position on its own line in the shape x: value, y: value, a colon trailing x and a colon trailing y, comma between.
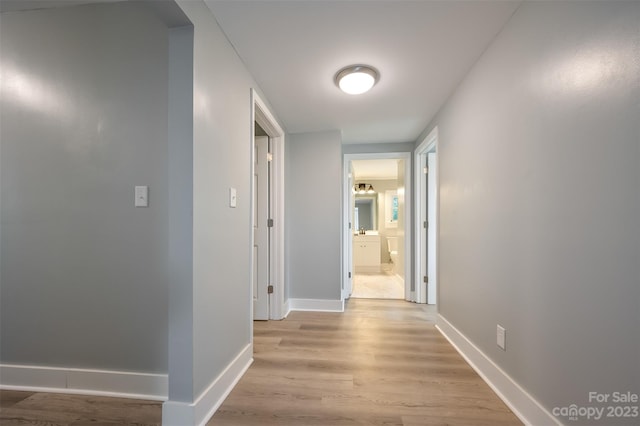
x: 392, y: 245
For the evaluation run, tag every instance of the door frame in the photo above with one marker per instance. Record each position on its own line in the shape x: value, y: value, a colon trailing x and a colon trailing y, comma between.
x: 428, y: 144
x: 260, y: 113
x: 347, y: 240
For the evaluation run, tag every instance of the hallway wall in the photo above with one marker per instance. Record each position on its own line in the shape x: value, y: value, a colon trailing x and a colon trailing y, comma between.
x: 314, y: 210
x: 97, y: 99
x: 84, y: 273
x: 221, y: 314
x: 539, y: 173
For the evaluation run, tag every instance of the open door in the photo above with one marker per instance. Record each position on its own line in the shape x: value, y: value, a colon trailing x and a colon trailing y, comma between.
x: 268, y: 286
x: 424, y: 200
x: 352, y: 227
x: 261, y: 229
x: 426, y: 224
x: 432, y: 167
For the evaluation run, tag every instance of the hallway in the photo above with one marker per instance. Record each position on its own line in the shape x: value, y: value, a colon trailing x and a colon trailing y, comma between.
x: 381, y: 362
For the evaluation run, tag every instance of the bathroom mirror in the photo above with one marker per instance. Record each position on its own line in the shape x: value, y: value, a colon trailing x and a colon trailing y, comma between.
x: 366, y: 206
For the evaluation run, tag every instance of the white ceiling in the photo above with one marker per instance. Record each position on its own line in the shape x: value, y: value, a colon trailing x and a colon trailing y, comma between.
x: 375, y: 169
x: 422, y: 49
x: 17, y: 5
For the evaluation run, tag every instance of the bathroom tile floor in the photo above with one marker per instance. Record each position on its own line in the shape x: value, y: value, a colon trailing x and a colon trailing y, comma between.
x: 382, y: 285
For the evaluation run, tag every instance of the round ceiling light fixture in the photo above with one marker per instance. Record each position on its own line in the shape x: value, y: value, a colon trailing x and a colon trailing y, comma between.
x: 357, y: 79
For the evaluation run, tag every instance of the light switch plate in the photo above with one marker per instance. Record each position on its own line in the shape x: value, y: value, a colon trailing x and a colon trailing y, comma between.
x: 142, y: 196
x: 501, y: 335
x: 233, y: 199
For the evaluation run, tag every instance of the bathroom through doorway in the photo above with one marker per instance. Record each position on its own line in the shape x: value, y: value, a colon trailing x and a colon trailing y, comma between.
x: 379, y: 215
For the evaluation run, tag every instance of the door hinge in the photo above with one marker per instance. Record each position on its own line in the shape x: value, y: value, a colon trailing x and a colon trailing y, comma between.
x: 269, y: 157
x: 426, y: 279
x: 349, y: 274
x: 349, y: 225
x: 425, y: 224
x: 426, y: 170
x: 269, y: 223
x: 270, y: 289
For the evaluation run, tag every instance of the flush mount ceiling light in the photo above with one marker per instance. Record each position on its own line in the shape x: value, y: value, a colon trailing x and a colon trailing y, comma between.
x: 356, y: 79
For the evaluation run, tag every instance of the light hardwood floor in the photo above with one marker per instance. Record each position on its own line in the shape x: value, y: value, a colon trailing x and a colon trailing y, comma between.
x: 382, y: 362
x: 53, y: 409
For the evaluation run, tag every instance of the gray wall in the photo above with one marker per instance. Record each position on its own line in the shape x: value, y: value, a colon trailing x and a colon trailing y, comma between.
x: 180, y: 127
x: 95, y: 100
x: 221, y: 235
x: 222, y: 160
x: 83, y: 108
x: 539, y: 191
x: 313, y: 184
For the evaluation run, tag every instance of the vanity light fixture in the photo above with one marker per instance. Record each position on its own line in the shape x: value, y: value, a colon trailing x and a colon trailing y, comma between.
x: 363, y: 188
x: 357, y: 79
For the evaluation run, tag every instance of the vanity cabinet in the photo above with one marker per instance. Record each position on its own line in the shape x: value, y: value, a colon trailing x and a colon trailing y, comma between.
x: 366, y: 253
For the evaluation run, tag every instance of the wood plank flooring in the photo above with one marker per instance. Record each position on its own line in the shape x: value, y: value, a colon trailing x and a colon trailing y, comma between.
x: 382, y: 362
x: 53, y: 409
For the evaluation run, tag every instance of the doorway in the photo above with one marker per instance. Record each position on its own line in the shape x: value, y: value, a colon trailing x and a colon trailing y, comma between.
x: 427, y: 219
x: 261, y: 229
x: 377, y: 223
x: 267, y: 213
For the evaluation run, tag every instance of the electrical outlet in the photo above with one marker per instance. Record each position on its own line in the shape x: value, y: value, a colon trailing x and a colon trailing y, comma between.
x: 233, y: 198
x: 142, y: 196
x: 502, y: 337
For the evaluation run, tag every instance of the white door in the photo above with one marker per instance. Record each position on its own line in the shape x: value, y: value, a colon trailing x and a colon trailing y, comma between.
x: 352, y: 227
x: 432, y: 166
x: 261, y: 230
x: 424, y: 232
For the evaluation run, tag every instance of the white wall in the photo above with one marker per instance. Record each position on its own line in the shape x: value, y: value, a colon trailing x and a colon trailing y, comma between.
x: 382, y: 186
x: 84, y: 273
x: 314, y: 211
x: 539, y: 190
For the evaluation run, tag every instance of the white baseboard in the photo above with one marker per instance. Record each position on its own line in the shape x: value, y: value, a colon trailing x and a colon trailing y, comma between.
x: 318, y: 305
x: 528, y: 410
x: 199, y: 412
x: 286, y: 308
x: 120, y: 384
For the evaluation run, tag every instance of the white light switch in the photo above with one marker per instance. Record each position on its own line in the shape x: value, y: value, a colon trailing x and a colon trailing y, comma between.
x: 501, y: 335
x: 142, y: 196
x: 232, y: 197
